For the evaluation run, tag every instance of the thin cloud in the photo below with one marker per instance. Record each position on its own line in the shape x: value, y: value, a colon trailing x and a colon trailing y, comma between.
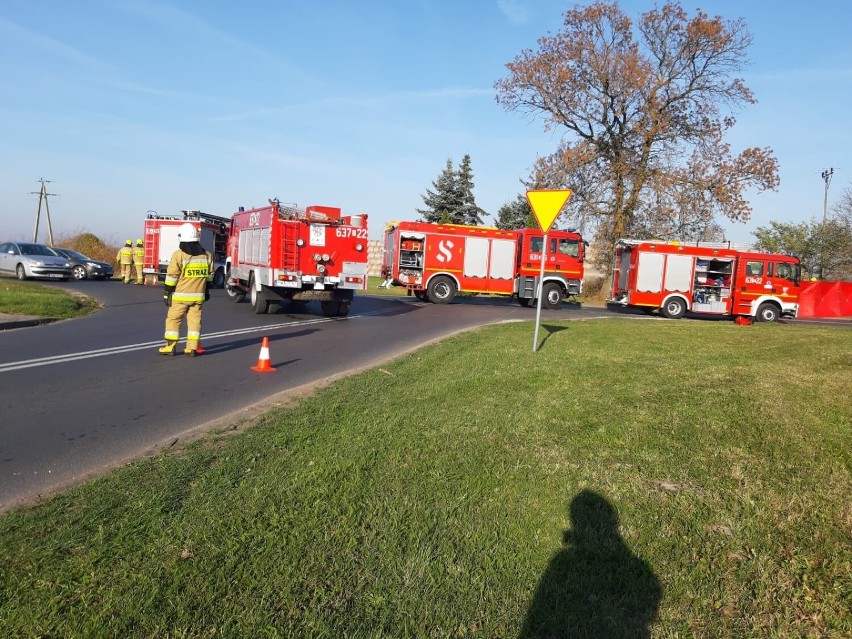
x: 517, y: 11
x: 186, y: 23
x: 350, y: 102
x: 11, y: 32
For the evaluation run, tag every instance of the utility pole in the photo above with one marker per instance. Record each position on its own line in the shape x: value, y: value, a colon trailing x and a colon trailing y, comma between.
x: 42, y: 197
x: 826, y: 176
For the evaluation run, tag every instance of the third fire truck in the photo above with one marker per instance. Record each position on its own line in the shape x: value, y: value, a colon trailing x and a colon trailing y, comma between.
x: 705, y: 278
x: 436, y: 261
x: 161, y: 240
x: 281, y: 252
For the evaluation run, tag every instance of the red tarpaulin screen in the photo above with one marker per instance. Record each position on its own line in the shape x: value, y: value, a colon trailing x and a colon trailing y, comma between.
x: 825, y: 299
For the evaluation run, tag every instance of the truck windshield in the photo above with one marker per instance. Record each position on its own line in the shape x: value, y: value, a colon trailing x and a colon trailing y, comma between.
x: 569, y: 247
x: 563, y: 246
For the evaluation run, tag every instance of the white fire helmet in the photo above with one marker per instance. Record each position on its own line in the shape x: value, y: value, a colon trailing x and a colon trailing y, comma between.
x: 187, y: 233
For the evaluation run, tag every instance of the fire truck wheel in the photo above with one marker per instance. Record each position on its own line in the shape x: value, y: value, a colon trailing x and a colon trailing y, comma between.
x: 219, y: 278
x: 552, y: 293
x: 421, y: 295
x: 526, y: 301
x: 441, y: 290
x: 674, y: 308
x: 235, y: 294
x: 335, y: 309
x: 258, y: 301
x: 767, y: 312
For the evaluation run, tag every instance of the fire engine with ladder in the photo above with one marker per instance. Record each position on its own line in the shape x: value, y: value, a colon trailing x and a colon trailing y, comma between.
x: 282, y: 253
x: 706, y: 278
x: 437, y: 261
x: 161, y: 240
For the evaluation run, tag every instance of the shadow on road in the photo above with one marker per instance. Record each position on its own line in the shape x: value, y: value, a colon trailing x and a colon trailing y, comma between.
x: 242, y: 343
x: 594, y: 586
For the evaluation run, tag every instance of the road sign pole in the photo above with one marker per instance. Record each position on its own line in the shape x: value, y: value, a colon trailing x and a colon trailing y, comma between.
x: 539, y: 288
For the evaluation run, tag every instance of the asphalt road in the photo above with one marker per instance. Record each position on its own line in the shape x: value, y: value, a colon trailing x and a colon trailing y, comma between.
x: 81, y: 396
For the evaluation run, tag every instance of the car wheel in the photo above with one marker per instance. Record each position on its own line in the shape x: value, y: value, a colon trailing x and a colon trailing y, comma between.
x: 219, y: 278
x: 20, y: 273
x: 767, y: 312
x: 79, y: 272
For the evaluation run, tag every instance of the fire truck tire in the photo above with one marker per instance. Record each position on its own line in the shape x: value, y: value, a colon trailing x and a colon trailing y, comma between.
x: 219, y: 278
x: 335, y: 308
x: 258, y: 301
x: 553, y: 294
x: 674, y: 308
x: 526, y: 301
x: 421, y: 295
x: 235, y: 294
x: 767, y: 312
x: 441, y: 290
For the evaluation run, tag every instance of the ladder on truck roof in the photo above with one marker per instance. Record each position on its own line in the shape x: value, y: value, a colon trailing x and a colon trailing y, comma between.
x: 734, y: 246
x: 204, y: 217
x: 191, y: 216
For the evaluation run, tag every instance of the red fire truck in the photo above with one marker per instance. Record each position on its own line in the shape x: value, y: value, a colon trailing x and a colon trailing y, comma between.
x: 281, y: 252
x: 161, y: 240
x: 436, y: 261
x: 705, y: 278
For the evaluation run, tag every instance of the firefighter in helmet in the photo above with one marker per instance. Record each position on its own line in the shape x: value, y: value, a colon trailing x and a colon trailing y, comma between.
x: 187, y: 278
x: 138, y: 258
x: 125, y: 260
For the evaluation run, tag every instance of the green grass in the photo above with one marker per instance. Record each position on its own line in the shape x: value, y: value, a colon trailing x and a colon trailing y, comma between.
x: 691, y: 478
x: 28, y: 298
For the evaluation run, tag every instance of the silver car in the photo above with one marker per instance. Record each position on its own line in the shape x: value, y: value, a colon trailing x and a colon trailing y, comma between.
x: 24, y: 260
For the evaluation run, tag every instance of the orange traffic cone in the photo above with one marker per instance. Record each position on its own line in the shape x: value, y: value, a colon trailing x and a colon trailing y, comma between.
x: 263, y: 365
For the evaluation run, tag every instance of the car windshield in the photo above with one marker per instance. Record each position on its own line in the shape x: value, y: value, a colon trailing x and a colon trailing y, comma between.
x: 37, y: 249
x: 74, y: 255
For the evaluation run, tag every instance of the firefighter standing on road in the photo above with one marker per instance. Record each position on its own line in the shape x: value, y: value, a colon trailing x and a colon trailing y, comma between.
x: 125, y: 260
x: 138, y: 258
x: 187, y: 278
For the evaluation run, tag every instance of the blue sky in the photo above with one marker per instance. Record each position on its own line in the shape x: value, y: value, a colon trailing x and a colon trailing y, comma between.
x: 135, y: 105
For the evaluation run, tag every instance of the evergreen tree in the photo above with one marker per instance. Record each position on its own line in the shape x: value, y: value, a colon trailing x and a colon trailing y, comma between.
x: 451, y: 198
x: 468, y: 212
x: 516, y: 214
x: 443, y: 200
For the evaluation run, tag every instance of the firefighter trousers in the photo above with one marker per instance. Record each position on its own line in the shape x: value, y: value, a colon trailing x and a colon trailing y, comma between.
x: 126, y: 271
x: 138, y: 268
x: 174, y: 319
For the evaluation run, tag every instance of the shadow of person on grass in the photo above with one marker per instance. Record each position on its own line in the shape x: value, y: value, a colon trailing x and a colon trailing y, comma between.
x: 594, y: 586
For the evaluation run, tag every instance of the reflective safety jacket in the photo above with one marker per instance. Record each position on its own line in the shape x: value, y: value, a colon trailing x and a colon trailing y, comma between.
x: 188, y: 275
x: 138, y: 255
x: 125, y: 255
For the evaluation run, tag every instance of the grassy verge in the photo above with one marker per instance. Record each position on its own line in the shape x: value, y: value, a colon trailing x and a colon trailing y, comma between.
x: 688, y: 478
x: 27, y: 298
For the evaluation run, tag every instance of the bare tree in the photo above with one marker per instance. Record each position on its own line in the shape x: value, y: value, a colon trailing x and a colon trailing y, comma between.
x: 642, y: 114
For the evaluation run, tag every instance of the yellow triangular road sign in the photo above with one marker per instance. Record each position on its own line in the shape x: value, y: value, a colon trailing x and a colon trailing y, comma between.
x: 546, y: 204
